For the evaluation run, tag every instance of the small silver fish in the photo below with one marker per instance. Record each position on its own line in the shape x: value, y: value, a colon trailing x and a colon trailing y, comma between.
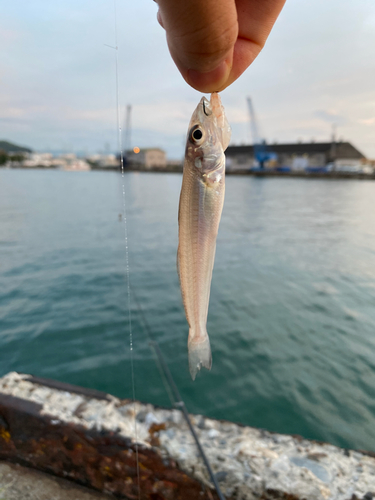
x: 201, y: 204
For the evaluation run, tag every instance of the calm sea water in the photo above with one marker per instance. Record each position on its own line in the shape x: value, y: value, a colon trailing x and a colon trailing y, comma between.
x: 291, y: 318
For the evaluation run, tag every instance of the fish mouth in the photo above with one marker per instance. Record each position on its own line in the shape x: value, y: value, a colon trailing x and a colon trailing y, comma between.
x: 216, y: 105
x: 206, y: 107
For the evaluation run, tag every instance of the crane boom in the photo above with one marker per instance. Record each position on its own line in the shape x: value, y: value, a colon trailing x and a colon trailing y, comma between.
x: 261, y: 153
x: 128, y: 129
x: 253, y: 124
x: 128, y: 132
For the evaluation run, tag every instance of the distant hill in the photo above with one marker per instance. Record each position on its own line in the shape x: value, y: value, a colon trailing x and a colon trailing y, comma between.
x: 8, y: 147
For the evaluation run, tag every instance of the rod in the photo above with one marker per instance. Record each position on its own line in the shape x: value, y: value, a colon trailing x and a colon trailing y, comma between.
x: 180, y: 404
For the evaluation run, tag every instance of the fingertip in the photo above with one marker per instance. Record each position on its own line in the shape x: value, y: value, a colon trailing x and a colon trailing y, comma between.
x: 159, y: 18
x: 211, y: 81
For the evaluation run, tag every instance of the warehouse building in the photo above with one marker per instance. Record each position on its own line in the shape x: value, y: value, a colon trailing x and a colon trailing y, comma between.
x: 147, y: 158
x: 298, y: 156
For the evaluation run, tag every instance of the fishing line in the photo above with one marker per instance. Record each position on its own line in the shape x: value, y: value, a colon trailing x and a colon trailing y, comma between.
x: 175, y: 396
x: 119, y: 138
x: 151, y: 343
x: 168, y: 381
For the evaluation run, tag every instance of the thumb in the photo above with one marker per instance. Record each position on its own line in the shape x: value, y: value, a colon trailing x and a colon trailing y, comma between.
x: 201, y: 35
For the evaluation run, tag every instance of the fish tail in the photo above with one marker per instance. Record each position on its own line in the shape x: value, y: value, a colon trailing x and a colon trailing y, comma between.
x: 199, y: 352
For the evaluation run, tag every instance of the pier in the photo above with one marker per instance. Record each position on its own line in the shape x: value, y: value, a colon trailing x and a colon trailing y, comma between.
x: 71, y: 437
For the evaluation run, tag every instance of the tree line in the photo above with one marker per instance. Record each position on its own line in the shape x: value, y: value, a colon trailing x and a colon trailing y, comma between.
x: 5, y: 157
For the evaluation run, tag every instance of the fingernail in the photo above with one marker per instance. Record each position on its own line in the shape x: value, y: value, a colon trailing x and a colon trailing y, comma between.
x: 212, y: 80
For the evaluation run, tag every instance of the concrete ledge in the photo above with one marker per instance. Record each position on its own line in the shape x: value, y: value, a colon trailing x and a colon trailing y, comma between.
x: 90, y: 438
x: 23, y: 483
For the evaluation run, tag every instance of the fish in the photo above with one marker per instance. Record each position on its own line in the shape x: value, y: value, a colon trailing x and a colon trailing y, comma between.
x: 200, y: 208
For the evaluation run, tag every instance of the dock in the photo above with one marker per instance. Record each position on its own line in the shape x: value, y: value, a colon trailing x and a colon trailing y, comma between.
x: 87, y: 444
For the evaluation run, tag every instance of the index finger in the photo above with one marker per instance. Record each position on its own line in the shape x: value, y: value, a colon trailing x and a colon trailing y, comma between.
x: 213, y: 41
x: 255, y: 22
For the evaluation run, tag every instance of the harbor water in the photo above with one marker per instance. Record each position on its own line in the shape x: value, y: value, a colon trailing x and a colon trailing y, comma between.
x: 292, y: 309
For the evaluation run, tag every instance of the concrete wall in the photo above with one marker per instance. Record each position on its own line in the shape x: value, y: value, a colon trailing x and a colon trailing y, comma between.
x: 92, y: 437
x: 293, y: 161
x: 155, y: 158
x: 148, y: 158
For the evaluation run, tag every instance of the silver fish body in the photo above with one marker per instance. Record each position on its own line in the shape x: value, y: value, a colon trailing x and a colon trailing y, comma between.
x: 201, y: 204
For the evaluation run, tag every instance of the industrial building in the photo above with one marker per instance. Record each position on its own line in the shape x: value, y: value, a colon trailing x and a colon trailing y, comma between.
x: 146, y: 158
x: 304, y: 157
x: 298, y: 156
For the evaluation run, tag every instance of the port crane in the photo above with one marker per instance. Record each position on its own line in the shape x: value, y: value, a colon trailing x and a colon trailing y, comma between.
x: 128, y: 132
x: 261, y: 152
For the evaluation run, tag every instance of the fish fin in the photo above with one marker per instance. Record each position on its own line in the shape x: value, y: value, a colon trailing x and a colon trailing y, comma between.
x: 199, y: 354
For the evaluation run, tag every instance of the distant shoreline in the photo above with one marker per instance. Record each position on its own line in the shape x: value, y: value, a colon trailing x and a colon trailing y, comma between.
x: 242, y: 172
x: 268, y: 173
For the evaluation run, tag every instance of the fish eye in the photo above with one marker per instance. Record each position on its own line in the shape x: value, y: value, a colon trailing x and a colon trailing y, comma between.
x: 196, y: 134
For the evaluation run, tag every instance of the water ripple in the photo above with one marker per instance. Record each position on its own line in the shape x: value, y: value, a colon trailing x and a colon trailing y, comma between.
x: 291, y: 315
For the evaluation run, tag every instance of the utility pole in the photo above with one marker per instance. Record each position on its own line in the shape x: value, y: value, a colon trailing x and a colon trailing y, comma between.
x: 259, y: 145
x: 128, y: 131
x: 333, y: 145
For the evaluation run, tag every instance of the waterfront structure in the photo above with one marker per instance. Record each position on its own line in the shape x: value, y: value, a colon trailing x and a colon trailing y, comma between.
x: 39, y: 160
x: 104, y: 161
x: 68, y: 161
x: 96, y: 439
x: 298, y: 156
x: 74, y: 165
x: 146, y: 158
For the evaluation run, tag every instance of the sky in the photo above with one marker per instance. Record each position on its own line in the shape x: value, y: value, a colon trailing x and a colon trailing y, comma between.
x: 58, y: 77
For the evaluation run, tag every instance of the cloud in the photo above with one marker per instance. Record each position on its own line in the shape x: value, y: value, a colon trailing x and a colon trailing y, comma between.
x: 367, y: 121
x: 9, y: 36
x: 330, y: 116
x: 57, y: 80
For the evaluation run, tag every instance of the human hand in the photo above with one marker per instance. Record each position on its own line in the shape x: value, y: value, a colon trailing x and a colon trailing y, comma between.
x: 212, y: 42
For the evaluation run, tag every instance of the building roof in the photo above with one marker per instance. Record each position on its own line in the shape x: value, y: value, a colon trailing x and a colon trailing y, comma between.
x: 343, y: 149
x: 152, y: 149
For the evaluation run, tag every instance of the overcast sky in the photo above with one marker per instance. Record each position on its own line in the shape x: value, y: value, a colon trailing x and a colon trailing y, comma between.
x: 57, y: 77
